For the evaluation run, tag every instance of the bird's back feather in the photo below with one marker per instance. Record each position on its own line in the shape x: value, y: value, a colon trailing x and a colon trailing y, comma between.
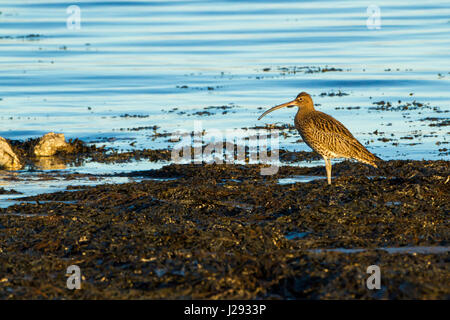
x: 330, y: 138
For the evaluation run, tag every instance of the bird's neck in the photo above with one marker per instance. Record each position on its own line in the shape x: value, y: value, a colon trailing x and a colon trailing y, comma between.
x: 303, y: 111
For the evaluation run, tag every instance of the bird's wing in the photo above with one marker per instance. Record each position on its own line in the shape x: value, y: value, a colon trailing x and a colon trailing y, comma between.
x: 328, y: 133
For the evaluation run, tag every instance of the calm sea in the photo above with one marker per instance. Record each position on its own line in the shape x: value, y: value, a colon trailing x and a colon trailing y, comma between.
x: 145, y: 58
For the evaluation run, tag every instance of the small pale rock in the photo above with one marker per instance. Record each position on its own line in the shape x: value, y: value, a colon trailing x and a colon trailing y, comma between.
x: 50, y: 143
x: 8, y: 159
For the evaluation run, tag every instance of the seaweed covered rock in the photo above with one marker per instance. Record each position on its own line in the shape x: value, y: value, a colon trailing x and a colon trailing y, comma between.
x: 8, y: 158
x: 50, y: 144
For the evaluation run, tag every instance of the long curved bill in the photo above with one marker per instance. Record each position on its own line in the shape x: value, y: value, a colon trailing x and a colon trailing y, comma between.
x: 287, y: 104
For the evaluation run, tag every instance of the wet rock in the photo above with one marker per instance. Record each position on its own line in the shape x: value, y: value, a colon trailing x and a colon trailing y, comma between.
x: 8, y: 158
x: 50, y: 144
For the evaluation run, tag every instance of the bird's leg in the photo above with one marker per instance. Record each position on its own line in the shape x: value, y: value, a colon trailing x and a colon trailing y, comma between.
x: 332, y: 201
x: 328, y: 168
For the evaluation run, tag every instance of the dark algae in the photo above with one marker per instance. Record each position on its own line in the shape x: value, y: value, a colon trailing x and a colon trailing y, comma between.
x: 224, y: 231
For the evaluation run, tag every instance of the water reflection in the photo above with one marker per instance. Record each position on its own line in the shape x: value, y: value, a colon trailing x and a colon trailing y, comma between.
x: 49, y: 163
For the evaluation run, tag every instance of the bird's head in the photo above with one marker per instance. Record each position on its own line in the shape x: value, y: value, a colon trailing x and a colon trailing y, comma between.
x: 302, y: 101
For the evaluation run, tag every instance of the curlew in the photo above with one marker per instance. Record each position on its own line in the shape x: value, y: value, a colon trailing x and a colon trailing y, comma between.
x: 325, y: 135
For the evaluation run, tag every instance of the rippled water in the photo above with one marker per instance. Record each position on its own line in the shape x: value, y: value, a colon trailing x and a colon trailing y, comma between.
x: 30, y: 183
x: 135, y: 57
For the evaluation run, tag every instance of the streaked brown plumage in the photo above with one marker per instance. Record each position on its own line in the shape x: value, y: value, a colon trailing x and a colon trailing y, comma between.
x: 325, y: 135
